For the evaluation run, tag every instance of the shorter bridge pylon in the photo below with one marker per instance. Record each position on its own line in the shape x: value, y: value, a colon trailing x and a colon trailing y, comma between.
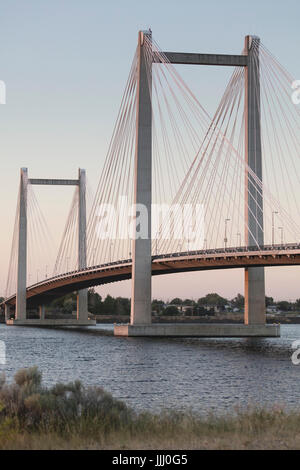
x: 20, y: 317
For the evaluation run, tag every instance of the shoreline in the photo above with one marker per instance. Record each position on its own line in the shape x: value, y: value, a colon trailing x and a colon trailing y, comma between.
x: 124, y: 319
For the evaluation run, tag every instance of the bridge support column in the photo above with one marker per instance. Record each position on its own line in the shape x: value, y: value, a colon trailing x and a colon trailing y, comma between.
x: 141, y: 250
x: 42, y: 312
x: 82, y: 296
x: 7, y: 312
x: 255, y: 310
x: 22, y: 248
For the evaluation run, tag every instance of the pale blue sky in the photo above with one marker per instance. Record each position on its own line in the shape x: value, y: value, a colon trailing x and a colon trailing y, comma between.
x: 65, y: 64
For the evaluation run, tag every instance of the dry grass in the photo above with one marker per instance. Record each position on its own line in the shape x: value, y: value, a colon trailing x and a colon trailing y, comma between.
x: 70, y: 416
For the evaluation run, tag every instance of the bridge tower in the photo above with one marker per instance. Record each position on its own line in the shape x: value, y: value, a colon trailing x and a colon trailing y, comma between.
x: 82, y: 296
x: 22, y: 247
x: 141, y: 259
x: 254, y: 277
x: 141, y: 250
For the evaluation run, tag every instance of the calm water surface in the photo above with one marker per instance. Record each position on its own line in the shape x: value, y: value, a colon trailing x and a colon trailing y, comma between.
x: 147, y: 373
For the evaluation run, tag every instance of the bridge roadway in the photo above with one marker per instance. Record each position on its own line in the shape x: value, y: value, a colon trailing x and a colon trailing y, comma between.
x: 238, y: 257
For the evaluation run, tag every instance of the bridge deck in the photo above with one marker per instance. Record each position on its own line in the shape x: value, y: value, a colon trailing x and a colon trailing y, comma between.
x: 60, y: 285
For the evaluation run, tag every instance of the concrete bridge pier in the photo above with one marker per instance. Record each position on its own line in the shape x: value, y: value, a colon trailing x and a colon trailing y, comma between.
x: 42, y: 312
x: 7, y: 312
x: 82, y: 305
x: 255, y: 308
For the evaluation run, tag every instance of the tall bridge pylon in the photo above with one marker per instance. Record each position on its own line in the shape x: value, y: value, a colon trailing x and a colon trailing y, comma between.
x: 141, y: 270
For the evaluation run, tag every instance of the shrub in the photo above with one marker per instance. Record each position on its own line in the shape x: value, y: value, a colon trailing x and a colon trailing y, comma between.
x: 62, y: 408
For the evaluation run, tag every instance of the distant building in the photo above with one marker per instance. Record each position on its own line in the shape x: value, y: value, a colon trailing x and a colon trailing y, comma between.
x: 187, y: 309
x: 272, y: 309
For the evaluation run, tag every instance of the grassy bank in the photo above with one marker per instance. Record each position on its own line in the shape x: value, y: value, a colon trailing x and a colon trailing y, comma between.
x: 70, y: 416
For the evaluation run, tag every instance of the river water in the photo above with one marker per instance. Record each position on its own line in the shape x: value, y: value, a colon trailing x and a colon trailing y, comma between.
x: 147, y: 373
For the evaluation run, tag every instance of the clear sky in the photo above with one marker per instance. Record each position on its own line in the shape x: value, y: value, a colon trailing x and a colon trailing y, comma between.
x: 65, y: 63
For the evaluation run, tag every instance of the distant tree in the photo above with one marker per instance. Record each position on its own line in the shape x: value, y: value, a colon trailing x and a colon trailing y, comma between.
x: 171, y: 311
x: 269, y: 301
x: 189, y: 302
x: 176, y: 301
x: 122, y: 306
x: 109, y: 305
x: 284, y: 306
x: 213, y: 300
x: 158, y: 306
x: 297, y: 304
x: 95, y: 302
x: 238, y: 301
x: 211, y: 312
x: 65, y: 304
x: 201, y: 310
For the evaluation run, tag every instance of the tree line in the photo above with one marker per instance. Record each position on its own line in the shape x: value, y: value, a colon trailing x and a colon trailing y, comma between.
x: 204, y: 305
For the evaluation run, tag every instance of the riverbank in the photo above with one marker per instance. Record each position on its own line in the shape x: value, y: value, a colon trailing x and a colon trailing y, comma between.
x: 229, y: 318
x: 70, y: 416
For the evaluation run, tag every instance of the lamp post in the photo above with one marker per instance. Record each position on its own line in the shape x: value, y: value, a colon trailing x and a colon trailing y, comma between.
x: 273, y: 226
x: 46, y: 271
x: 281, y: 237
x: 225, y: 236
x: 188, y: 240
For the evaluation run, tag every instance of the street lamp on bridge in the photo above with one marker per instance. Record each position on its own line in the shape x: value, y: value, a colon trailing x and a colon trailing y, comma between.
x: 225, y: 236
x: 273, y: 226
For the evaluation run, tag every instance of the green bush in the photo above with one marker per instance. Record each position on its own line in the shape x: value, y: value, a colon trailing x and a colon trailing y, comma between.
x: 62, y: 408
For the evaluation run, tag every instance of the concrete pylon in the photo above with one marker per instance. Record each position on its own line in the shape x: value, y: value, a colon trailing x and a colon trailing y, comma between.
x: 255, y: 310
x: 42, y: 312
x: 7, y: 312
x: 141, y: 250
x: 82, y: 296
x: 22, y: 248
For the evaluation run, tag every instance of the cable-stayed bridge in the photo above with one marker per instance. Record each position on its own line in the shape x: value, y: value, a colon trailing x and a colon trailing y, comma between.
x: 203, y: 192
